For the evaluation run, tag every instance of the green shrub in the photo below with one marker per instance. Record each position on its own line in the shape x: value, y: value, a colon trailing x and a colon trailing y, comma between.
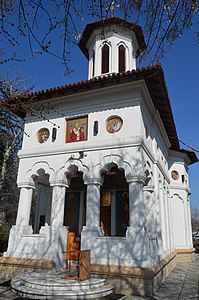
x: 196, y: 246
x: 3, y: 241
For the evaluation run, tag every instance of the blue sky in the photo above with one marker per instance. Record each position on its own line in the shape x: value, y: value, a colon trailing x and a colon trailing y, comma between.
x: 181, y: 67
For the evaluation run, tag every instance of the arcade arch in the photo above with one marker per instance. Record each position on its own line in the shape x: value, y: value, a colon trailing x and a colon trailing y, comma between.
x: 34, y: 208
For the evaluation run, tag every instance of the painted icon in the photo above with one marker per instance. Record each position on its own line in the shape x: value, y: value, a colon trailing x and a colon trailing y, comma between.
x: 175, y: 175
x: 43, y: 135
x: 76, y: 130
x: 114, y: 124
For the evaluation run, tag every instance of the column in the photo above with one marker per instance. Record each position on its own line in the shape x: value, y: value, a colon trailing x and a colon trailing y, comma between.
x: 24, y: 207
x: 190, y: 239
x: 136, y: 203
x: 93, y: 204
x: 163, y: 221
x: 16, y: 245
x: 56, y: 233
x: 168, y: 246
x: 57, y: 208
x: 136, y: 234
x: 92, y: 230
x: 150, y: 208
x: 170, y: 222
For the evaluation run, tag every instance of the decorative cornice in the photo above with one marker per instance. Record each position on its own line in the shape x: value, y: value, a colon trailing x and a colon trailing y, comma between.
x: 86, y: 146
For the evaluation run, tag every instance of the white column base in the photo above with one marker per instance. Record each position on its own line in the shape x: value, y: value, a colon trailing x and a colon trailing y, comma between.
x: 56, y: 239
x: 89, y: 235
x: 51, y: 245
x: 15, y: 236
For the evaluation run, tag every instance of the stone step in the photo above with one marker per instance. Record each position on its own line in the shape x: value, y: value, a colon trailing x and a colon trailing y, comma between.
x: 32, y: 293
x: 56, y: 281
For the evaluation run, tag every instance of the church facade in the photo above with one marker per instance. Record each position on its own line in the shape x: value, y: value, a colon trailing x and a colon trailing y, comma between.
x: 102, y: 159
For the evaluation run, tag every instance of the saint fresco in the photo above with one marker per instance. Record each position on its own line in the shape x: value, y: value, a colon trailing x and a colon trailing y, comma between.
x: 114, y: 124
x: 76, y: 130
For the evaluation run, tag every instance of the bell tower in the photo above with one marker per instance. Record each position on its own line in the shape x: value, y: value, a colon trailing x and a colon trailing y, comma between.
x: 111, y: 46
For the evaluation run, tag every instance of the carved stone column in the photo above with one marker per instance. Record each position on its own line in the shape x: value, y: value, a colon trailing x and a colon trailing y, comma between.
x: 136, y: 232
x: 24, y: 207
x: 17, y: 246
x: 56, y: 233
x: 93, y: 204
x: 92, y: 229
x: 58, y: 202
x: 136, y: 202
x: 163, y: 220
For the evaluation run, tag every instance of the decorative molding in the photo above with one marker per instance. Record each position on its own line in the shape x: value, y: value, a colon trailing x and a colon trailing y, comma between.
x: 149, y: 188
x: 136, y: 179
x: 94, y: 181
x: 75, y: 148
x: 26, y: 184
x: 61, y: 183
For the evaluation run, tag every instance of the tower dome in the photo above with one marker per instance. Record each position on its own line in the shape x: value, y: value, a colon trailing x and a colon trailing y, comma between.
x: 111, y: 46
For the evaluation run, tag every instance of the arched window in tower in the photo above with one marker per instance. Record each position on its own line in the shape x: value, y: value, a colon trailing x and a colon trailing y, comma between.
x: 105, y: 59
x: 93, y: 63
x: 122, y: 58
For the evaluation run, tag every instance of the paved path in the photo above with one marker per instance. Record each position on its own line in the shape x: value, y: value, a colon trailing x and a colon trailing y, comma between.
x: 182, y: 284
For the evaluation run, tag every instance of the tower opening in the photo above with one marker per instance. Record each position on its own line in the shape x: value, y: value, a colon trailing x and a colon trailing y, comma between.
x: 105, y: 59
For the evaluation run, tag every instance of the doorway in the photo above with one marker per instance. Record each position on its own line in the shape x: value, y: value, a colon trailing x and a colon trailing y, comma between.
x: 114, y: 202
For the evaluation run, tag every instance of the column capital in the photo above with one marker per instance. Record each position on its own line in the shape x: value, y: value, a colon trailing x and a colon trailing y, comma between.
x: 60, y: 183
x: 149, y: 188
x: 93, y: 181
x: 136, y: 179
x: 27, y: 185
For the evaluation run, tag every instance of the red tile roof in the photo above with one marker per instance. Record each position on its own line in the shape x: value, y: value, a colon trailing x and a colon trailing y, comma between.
x: 152, y: 75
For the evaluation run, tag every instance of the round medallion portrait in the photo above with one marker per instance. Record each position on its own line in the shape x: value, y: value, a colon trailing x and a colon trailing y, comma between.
x: 174, y: 175
x: 114, y: 124
x: 43, y: 135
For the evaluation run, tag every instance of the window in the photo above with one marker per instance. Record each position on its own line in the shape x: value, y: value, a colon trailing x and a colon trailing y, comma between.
x: 105, y: 59
x: 95, y: 128
x: 93, y: 63
x: 122, y: 59
x: 54, y: 134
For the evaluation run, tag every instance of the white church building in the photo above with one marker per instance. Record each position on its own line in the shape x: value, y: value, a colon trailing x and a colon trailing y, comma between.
x: 101, y: 158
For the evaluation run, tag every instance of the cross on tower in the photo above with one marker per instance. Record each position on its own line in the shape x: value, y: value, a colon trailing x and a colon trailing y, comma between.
x: 111, y: 8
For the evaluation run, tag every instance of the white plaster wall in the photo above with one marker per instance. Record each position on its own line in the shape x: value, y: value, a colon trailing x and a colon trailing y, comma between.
x: 98, y: 108
x: 180, y: 202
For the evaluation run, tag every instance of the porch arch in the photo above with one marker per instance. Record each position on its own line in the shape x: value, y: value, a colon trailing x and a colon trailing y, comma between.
x: 107, y: 161
x: 68, y: 168
x: 35, y: 171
